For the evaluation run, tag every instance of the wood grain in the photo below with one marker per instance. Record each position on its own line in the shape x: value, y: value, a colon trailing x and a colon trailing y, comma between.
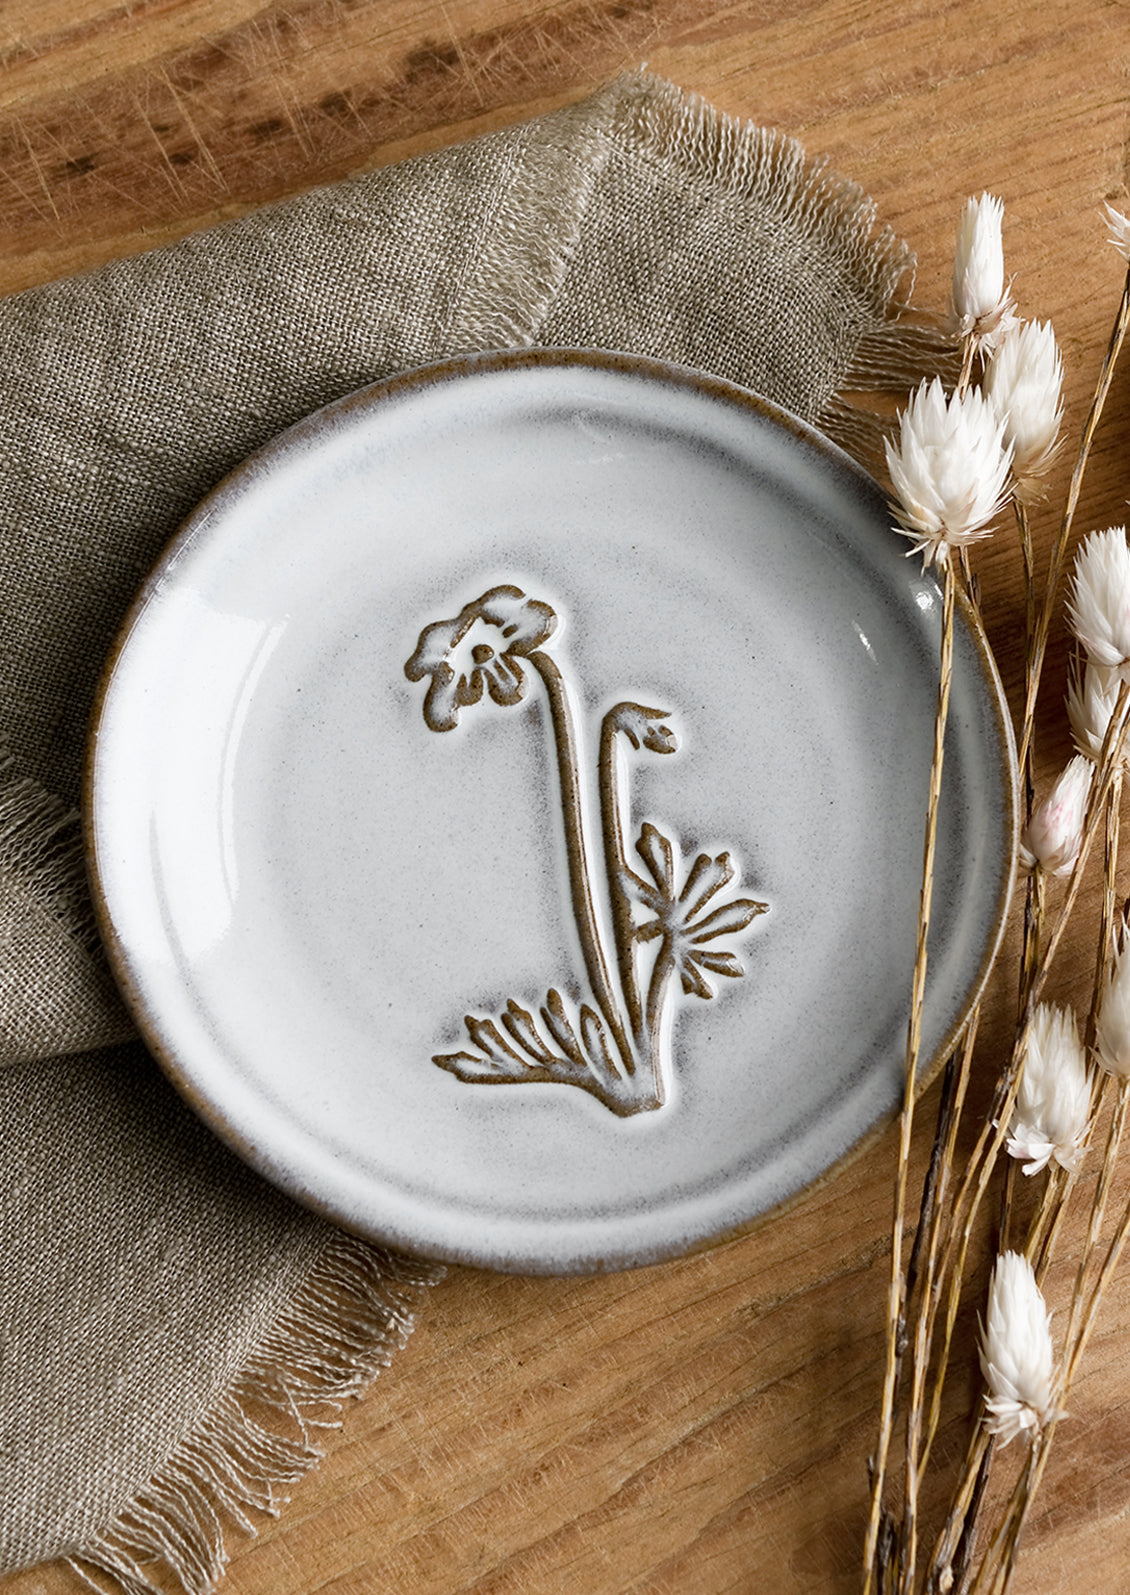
x: 704, y: 1426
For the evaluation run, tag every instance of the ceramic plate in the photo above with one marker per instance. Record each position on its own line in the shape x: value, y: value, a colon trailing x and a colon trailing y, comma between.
x: 506, y: 808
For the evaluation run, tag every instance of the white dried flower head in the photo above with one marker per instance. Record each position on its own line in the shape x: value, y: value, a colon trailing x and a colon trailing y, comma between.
x: 1119, y: 229
x: 1016, y: 1352
x: 949, y: 469
x: 1053, y: 836
x: 1024, y: 380
x: 1098, y: 604
x: 982, y: 306
x: 1053, y: 1104
x: 1092, y: 695
x: 1112, y: 1028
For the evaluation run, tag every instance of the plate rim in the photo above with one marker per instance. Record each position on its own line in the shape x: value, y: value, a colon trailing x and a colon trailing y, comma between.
x: 389, y: 389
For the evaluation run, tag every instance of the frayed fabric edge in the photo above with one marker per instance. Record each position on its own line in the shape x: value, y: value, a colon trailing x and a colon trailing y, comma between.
x: 890, y: 361
x: 57, y: 994
x: 41, y: 840
x: 245, y: 1456
x: 708, y: 146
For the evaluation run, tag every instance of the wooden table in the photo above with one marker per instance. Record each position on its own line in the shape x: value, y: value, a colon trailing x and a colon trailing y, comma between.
x: 702, y: 1426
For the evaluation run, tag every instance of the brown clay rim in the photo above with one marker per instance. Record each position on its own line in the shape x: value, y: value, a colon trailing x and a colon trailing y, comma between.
x: 390, y: 389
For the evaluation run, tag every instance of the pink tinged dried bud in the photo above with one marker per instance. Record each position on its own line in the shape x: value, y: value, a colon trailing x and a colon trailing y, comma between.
x: 1119, y: 230
x: 1112, y: 1029
x: 1098, y: 604
x: 1016, y: 1352
x: 949, y: 470
x: 1053, y: 1104
x: 1092, y: 697
x: 982, y: 306
x: 1024, y: 380
x: 1053, y: 836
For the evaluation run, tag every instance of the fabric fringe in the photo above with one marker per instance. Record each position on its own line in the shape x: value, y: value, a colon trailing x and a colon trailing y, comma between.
x: 889, y: 363
x: 41, y: 843
x: 897, y: 348
x: 897, y: 356
x: 506, y: 296
x: 761, y: 165
x: 354, y: 1312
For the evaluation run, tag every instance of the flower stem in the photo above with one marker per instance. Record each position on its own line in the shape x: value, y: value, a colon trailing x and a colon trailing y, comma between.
x: 896, y: 1301
x: 618, y: 868
x: 580, y: 880
x: 1059, y: 550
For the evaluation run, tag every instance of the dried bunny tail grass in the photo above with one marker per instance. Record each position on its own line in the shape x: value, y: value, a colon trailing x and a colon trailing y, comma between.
x: 1054, y: 835
x: 1024, y: 383
x: 949, y: 469
x: 1099, y: 602
x: 1017, y: 1359
x: 1052, y: 1114
x: 982, y: 306
x: 258, y: 1441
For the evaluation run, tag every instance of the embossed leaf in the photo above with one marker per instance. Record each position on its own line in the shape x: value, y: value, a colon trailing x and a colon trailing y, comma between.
x: 657, y: 853
x: 707, y: 876
x: 692, y: 963
x: 684, y: 922
x: 727, y: 919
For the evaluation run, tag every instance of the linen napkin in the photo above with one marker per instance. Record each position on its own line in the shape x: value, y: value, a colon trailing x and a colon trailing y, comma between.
x: 166, y: 1319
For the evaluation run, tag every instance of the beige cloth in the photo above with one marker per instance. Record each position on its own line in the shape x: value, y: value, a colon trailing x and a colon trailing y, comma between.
x: 156, y: 1299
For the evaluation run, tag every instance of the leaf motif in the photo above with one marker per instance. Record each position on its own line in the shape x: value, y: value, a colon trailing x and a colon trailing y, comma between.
x: 560, y: 1029
x: 693, y: 983
x: 727, y: 919
x: 596, y: 1043
x: 721, y: 964
x: 520, y: 1026
x: 467, y: 1066
x: 707, y: 876
x: 489, y: 1039
x: 656, y: 852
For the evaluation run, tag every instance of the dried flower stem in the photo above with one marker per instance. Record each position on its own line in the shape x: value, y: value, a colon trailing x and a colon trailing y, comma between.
x: 1024, y: 528
x: 1109, y: 771
x: 896, y: 1308
x: 994, y: 1132
x: 1000, y: 1557
x: 957, y: 1526
x: 1109, y: 908
x: 1026, y: 381
x: 984, y: 1157
x: 1098, y: 1206
x: 1047, y: 1219
x: 1059, y: 549
x: 1110, y: 1263
x: 918, y: 1441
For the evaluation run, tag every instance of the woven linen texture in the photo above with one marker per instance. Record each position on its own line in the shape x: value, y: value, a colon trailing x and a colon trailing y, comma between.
x: 142, y: 1269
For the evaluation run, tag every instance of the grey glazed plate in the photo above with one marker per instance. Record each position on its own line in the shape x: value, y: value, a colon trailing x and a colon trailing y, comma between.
x: 506, y: 808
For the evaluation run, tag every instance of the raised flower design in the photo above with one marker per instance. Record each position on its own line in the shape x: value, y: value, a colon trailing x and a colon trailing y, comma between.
x: 481, y: 649
x: 681, y: 918
x: 609, y: 1039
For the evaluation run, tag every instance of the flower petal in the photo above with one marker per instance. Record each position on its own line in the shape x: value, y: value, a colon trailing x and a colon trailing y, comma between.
x: 721, y: 964
x: 655, y: 850
x: 727, y: 919
x: 505, y: 679
x: 435, y: 644
x: 525, y: 623
x: 693, y: 983
x: 441, y: 701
